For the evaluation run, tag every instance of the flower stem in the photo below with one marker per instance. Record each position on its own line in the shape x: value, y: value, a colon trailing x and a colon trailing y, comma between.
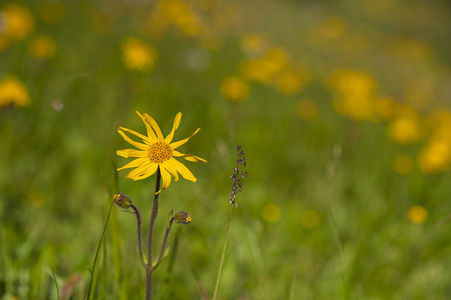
x: 153, y: 216
x: 168, y: 228
x: 223, y: 253
x: 138, y: 223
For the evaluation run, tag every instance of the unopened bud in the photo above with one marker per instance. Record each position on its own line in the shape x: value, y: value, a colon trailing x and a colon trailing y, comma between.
x: 123, y: 200
x: 183, y: 217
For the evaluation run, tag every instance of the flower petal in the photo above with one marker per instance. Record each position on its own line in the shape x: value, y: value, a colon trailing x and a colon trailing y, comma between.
x: 129, y: 140
x: 135, y: 163
x: 141, y: 170
x: 143, y: 137
x: 177, y: 120
x: 189, y: 157
x: 132, y: 153
x: 166, y: 179
x: 153, y: 168
x: 181, y: 142
x: 171, y: 168
x: 155, y: 126
x: 183, y: 170
x: 150, y: 134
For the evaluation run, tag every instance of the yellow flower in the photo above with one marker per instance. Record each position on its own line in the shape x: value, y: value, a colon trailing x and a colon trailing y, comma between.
x: 289, y: 83
x: 417, y: 214
x: 138, y: 55
x: 12, y: 91
x: 435, y: 157
x: 234, y: 88
x: 157, y: 153
x: 18, y: 21
x: 42, y: 47
x: 405, y: 130
x: 271, y: 212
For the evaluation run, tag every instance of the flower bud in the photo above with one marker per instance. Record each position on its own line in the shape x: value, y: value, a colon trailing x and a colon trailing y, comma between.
x: 183, y: 217
x: 123, y: 200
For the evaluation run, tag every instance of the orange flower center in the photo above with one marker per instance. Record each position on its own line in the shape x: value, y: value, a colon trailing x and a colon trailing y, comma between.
x: 159, y: 152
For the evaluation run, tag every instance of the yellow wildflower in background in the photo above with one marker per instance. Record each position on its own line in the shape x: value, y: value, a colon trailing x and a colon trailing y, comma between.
x: 309, y: 219
x: 290, y: 82
x: 138, y: 55
x: 435, y: 157
x: 417, y: 214
x: 157, y: 153
x: 42, y: 47
x: 405, y: 130
x: 271, y: 212
x: 13, y: 92
x: 252, y: 44
x: 18, y: 21
x: 234, y: 88
x: 355, y: 106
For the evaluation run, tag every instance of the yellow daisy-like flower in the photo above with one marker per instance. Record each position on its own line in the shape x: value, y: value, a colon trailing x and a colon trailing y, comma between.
x: 157, y: 152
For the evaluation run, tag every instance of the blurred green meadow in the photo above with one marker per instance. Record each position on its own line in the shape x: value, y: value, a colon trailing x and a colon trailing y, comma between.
x: 342, y: 108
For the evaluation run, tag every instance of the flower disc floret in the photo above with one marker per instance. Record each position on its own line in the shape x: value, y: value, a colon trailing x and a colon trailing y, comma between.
x: 159, y: 152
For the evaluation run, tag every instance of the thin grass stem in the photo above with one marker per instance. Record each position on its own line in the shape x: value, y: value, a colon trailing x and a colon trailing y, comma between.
x: 223, y: 254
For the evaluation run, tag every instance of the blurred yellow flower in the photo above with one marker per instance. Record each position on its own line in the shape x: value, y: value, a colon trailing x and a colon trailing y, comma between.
x: 157, y: 153
x: 18, y: 21
x: 138, y: 55
x: 271, y: 212
x: 289, y: 83
x: 307, y: 110
x: 309, y: 219
x: 385, y: 108
x: 252, y: 43
x: 417, y: 214
x: 13, y: 92
x: 355, y: 106
x: 234, y: 88
x: 178, y: 13
x: 405, y: 130
x: 265, y: 68
x: 403, y: 164
x: 350, y: 82
x: 42, y: 47
x: 435, y: 157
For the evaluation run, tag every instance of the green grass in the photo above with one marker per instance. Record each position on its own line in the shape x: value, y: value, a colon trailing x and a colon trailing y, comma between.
x: 56, y: 179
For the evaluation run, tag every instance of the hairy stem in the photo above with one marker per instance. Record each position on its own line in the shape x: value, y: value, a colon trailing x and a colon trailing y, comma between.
x: 138, y: 223
x: 153, y: 216
x: 223, y: 253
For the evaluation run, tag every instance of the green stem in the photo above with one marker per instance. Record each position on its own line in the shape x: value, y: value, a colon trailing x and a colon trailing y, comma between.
x: 153, y: 216
x: 223, y: 253
x: 168, y: 228
x: 138, y: 224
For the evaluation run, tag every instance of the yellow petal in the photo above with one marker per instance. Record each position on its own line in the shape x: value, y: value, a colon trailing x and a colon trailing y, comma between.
x: 177, y: 120
x: 140, y: 171
x: 166, y: 179
x: 131, y: 153
x: 181, y: 142
x: 129, y: 140
x: 171, y: 168
x: 150, y: 134
x: 153, y: 168
x: 155, y: 127
x: 189, y: 157
x: 183, y: 170
x: 143, y: 137
x: 135, y: 163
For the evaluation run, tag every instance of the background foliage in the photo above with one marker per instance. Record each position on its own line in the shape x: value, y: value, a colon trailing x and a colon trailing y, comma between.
x: 342, y: 108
